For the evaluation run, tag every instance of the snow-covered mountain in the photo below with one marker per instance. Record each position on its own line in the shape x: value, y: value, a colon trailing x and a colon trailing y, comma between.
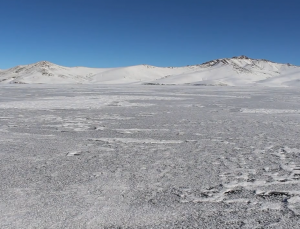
x: 45, y: 72
x: 236, y: 71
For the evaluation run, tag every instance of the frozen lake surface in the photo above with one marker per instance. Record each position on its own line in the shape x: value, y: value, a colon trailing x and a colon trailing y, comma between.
x: 149, y: 157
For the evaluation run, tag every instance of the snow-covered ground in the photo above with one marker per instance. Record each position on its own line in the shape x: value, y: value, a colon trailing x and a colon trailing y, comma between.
x: 236, y: 71
x: 91, y: 156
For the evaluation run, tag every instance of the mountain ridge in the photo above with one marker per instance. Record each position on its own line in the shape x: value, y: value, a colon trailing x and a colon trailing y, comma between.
x: 235, y: 71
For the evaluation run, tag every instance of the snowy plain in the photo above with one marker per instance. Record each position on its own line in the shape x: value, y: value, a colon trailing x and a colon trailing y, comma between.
x: 148, y: 156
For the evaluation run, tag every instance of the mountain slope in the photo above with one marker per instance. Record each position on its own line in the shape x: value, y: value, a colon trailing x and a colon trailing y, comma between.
x: 236, y: 71
x: 46, y: 72
x: 136, y: 74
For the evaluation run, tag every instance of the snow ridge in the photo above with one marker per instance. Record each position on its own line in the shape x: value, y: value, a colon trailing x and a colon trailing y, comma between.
x: 235, y: 71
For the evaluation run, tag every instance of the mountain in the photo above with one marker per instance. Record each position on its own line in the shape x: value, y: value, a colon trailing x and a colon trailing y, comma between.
x: 235, y: 71
x: 238, y: 71
x: 48, y: 73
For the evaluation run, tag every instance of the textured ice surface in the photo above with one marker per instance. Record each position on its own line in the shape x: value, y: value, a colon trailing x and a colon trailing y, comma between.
x: 149, y: 157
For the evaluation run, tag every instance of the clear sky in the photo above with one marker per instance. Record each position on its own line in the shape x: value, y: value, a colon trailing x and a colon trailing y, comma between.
x: 112, y: 33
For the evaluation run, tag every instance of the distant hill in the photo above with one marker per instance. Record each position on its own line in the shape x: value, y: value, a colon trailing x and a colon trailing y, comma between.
x: 235, y: 71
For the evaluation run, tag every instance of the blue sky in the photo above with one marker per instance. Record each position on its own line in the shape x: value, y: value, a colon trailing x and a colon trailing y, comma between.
x: 111, y: 33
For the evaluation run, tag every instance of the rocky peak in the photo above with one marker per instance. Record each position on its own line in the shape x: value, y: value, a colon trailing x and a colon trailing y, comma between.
x: 43, y: 64
x: 241, y: 57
